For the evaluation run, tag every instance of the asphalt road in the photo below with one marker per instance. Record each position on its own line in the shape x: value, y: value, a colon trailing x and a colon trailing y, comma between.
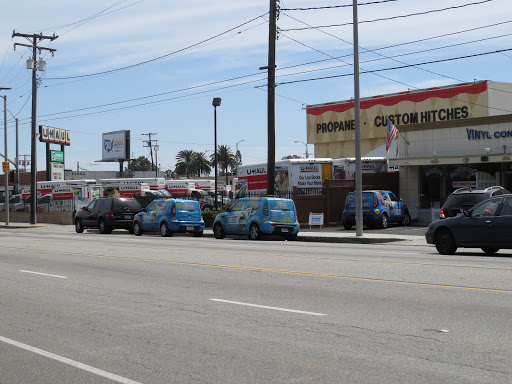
x: 93, y: 308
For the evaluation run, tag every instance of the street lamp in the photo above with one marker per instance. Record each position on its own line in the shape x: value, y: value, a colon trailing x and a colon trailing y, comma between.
x: 216, y: 103
x: 307, y: 153
x: 156, y: 148
x: 236, y: 155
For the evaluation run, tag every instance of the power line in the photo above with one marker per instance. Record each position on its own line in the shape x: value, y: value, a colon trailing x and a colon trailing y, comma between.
x: 389, y: 18
x: 401, y: 67
x: 157, y: 58
x: 335, y: 6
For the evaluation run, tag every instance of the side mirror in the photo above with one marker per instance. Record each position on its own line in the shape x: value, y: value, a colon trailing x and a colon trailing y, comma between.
x: 85, y: 209
x: 467, y: 213
x: 228, y: 209
x: 144, y: 209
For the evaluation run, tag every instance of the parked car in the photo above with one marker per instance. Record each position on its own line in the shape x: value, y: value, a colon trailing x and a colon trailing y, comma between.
x: 379, y: 209
x: 487, y: 225
x: 258, y: 216
x: 462, y: 199
x: 170, y: 216
x: 108, y: 213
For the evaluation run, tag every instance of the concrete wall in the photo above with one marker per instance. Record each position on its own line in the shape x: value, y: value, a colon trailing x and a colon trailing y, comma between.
x: 42, y: 217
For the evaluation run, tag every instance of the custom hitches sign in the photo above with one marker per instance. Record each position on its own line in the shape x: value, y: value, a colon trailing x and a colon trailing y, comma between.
x: 116, y: 146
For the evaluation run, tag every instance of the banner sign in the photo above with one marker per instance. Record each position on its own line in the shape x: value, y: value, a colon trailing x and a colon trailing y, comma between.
x: 116, y: 146
x: 56, y: 156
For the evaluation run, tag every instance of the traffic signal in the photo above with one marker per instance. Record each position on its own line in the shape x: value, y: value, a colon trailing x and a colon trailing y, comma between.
x: 12, y: 176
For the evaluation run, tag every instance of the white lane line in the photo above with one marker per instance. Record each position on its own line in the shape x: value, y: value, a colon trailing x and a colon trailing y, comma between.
x: 44, y: 274
x: 73, y: 363
x: 267, y: 307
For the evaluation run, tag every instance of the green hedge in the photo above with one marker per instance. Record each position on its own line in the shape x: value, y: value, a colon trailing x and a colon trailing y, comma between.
x: 209, y: 216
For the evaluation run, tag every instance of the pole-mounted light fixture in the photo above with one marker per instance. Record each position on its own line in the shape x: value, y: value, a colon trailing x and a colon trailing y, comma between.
x: 216, y: 103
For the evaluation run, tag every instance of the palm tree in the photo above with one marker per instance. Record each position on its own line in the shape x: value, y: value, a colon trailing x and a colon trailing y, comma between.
x: 184, y: 159
x: 225, y: 158
x: 200, y: 164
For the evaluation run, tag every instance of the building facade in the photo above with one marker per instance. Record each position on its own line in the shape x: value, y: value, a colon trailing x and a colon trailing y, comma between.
x: 450, y: 137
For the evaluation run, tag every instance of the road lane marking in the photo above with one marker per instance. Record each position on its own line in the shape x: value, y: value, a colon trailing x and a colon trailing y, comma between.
x: 65, y: 360
x: 238, y: 253
x: 43, y: 274
x: 267, y: 307
x: 269, y: 270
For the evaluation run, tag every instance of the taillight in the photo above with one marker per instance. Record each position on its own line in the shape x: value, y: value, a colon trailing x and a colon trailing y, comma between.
x: 375, y: 201
x: 265, y: 210
x: 173, y: 210
x: 111, y: 213
x: 441, y: 214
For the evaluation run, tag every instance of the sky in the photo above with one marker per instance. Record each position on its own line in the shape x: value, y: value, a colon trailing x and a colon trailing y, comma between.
x: 154, y: 66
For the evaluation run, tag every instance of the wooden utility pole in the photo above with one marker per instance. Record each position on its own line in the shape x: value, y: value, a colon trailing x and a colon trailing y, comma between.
x: 271, y: 108
x: 150, y: 145
x: 36, y: 38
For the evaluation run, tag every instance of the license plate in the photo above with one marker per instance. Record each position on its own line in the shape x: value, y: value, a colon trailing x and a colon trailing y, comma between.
x: 127, y: 217
x: 190, y: 228
x: 284, y: 229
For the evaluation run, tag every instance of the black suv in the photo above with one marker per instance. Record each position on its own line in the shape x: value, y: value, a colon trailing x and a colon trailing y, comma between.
x: 108, y: 213
x: 462, y: 199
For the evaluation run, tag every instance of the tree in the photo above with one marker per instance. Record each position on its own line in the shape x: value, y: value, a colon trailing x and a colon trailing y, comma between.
x: 225, y: 158
x: 141, y: 163
x: 291, y: 157
x: 200, y: 164
x: 185, y: 159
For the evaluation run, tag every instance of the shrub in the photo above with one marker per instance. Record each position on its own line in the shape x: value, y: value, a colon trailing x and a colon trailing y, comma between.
x: 209, y: 216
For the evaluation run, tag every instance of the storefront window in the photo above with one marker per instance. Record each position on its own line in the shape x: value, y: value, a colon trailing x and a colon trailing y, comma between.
x: 437, y: 182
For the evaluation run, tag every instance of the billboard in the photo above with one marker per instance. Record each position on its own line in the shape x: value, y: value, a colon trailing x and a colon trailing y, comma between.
x: 116, y: 146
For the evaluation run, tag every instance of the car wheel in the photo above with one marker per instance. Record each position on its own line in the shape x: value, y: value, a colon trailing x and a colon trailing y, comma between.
x: 254, y: 232
x: 79, y: 227
x: 291, y: 237
x: 490, y: 251
x: 445, y: 243
x: 406, y: 219
x: 347, y: 225
x: 104, y: 228
x: 198, y: 234
x: 218, y: 231
x: 137, y: 229
x: 383, y: 221
x: 164, y: 230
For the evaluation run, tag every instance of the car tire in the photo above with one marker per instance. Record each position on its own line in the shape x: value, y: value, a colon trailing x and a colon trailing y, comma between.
x: 218, y: 231
x: 103, y: 227
x: 79, y: 227
x: 445, y: 243
x: 406, y: 220
x: 137, y: 229
x: 383, y: 221
x: 198, y: 234
x: 490, y: 250
x: 255, y: 232
x: 164, y: 229
x: 347, y: 225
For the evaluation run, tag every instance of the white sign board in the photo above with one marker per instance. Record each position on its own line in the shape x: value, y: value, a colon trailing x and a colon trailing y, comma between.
x: 57, y: 172
x: 307, y: 175
x: 114, y: 145
x: 316, y: 219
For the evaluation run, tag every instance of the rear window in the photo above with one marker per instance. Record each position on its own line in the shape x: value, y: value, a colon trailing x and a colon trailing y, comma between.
x: 188, y: 206
x: 282, y: 205
x: 128, y: 204
x: 463, y: 199
x: 367, y: 198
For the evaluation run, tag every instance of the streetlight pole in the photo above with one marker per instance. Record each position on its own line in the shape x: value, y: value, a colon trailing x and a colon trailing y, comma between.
x: 216, y: 103
x: 307, y: 153
x: 6, y: 173
x: 236, y: 155
x: 17, y: 165
x: 157, y: 148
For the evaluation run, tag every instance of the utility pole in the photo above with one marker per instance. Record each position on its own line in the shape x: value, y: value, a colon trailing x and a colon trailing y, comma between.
x: 150, y: 145
x: 271, y: 100
x: 6, y: 172
x: 31, y: 64
x: 357, y: 118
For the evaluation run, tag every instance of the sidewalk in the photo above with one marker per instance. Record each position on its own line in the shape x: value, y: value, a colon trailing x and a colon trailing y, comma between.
x: 319, y: 235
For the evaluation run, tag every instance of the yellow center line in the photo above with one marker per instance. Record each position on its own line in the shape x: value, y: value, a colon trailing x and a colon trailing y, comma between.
x: 269, y: 270
x: 238, y: 253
